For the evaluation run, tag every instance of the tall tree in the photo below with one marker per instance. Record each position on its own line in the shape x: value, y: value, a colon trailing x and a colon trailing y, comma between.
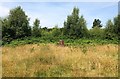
x: 81, y: 29
x: 96, y: 31
x: 19, y: 23
x: 75, y: 25
x: 97, y: 23
x: 16, y: 25
x: 109, y: 30
x: 0, y: 28
x: 36, y: 28
x: 117, y: 26
x: 7, y: 33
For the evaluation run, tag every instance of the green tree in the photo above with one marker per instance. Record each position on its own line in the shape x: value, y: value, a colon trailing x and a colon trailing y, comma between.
x: 0, y: 28
x: 97, y: 23
x: 117, y: 26
x: 109, y: 30
x: 75, y: 26
x: 36, y: 28
x: 44, y: 31
x: 19, y: 23
x: 81, y: 28
x: 7, y: 32
x: 16, y: 25
x: 56, y: 31
x: 96, y: 33
x: 112, y: 29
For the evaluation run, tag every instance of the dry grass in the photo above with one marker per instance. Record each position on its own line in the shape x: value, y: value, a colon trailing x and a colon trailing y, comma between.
x: 50, y: 60
x: 0, y: 62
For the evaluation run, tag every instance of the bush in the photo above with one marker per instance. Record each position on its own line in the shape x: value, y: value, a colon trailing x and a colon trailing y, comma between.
x: 68, y: 41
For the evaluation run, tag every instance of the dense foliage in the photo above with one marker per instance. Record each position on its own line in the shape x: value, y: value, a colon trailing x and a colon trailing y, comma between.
x: 96, y: 23
x: 16, y: 26
x: 75, y: 26
x: 36, y: 29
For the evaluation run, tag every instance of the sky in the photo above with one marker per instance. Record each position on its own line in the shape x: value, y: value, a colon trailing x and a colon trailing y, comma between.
x: 55, y: 13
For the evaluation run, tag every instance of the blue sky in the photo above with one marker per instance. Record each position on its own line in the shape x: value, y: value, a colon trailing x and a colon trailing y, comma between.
x: 55, y: 13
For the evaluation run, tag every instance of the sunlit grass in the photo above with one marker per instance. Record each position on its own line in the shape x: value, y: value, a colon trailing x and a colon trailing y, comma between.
x: 46, y: 60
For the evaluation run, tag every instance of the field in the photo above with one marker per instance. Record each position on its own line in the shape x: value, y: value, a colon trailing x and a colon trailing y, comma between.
x: 51, y: 60
x: 62, y: 43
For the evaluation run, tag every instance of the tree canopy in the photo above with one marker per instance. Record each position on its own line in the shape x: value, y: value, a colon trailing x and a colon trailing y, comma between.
x: 75, y: 26
x: 36, y: 28
x: 97, y: 23
x: 16, y: 26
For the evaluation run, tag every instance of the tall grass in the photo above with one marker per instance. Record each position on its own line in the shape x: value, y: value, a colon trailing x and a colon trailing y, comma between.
x: 50, y: 60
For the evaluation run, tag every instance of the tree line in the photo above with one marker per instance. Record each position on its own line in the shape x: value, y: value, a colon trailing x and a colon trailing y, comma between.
x: 16, y: 26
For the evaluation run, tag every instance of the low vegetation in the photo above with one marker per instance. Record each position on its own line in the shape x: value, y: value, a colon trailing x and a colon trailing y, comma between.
x: 50, y: 60
x: 55, y: 40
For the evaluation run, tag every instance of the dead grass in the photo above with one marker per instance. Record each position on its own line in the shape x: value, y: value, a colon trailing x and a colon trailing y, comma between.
x: 50, y: 60
x: 0, y: 62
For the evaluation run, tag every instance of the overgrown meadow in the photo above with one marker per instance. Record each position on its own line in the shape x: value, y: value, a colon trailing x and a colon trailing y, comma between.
x: 35, y: 51
x: 37, y: 57
x: 51, y: 60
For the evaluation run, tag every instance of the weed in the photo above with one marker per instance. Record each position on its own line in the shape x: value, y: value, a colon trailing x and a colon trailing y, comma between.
x: 32, y: 49
x: 41, y: 73
x: 84, y: 49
